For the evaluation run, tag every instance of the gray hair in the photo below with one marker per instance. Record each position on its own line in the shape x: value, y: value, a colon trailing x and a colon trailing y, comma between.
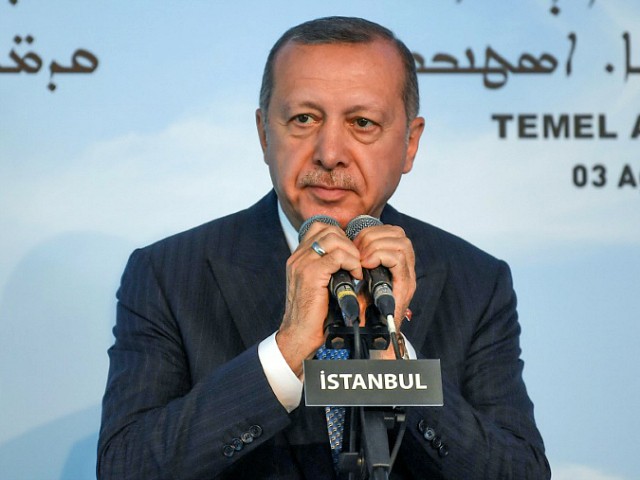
x: 344, y: 30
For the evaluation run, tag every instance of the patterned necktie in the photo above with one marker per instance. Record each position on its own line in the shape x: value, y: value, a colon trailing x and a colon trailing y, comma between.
x: 335, y: 415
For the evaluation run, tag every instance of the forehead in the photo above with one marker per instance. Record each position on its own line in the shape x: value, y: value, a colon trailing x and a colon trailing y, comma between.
x: 352, y: 69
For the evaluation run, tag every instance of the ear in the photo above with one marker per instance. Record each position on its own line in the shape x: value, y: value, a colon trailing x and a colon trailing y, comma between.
x: 261, y: 125
x: 415, y: 132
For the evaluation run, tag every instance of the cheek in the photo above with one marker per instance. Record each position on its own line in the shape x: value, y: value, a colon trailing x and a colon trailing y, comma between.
x: 382, y: 179
x: 282, y: 169
x: 288, y: 160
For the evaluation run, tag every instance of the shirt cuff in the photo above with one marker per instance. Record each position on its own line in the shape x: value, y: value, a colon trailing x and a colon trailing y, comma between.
x: 284, y: 383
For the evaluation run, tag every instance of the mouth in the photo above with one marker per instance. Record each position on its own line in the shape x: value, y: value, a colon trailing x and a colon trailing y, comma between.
x: 328, y: 193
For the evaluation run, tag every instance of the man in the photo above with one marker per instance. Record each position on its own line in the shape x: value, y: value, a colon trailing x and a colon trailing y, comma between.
x: 214, y: 324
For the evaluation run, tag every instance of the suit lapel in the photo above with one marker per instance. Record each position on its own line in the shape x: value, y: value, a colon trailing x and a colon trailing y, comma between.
x: 249, y: 264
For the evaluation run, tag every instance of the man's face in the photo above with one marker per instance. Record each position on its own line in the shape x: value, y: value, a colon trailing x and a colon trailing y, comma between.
x: 336, y: 138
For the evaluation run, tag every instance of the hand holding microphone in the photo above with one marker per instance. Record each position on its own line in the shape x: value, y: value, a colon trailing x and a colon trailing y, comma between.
x: 323, y: 251
x: 387, y: 255
x: 341, y: 285
x: 378, y: 278
x: 388, y: 260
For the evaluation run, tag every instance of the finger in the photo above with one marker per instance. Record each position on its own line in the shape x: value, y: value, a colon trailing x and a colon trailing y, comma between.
x: 329, y: 246
x: 388, y: 246
x: 377, y: 233
x: 317, y: 227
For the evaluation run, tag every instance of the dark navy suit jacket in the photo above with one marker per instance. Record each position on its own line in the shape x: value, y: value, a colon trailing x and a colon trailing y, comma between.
x: 186, y: 395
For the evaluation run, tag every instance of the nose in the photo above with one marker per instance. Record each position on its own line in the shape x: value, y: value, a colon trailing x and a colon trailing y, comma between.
x: 331, y: 146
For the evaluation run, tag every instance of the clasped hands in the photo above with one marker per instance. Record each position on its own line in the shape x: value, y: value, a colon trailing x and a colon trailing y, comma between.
x: 309, y: 273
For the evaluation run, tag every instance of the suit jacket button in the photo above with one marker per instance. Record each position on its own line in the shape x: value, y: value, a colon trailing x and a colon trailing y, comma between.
x: 246, y: 437
x: 422, y: 426
x: 436, y: 442
x: 429, y: 434
x: 237, y: 444
x: 255, y: 431
x: 228, y: 451
x: 443, y: 451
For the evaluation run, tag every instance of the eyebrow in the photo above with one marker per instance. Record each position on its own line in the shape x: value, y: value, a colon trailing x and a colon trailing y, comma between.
x: 368, y: 108
x: 287, y: 109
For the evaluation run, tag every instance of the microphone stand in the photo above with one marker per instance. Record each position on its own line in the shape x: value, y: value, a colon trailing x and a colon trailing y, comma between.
x: 368, y: 455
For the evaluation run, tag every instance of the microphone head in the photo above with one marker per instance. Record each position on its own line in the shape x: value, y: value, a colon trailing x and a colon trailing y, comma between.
x: 359, y: 223
x: 304, y: 228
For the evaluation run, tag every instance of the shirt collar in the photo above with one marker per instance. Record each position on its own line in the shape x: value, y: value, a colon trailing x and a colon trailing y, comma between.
x: 290, y: 233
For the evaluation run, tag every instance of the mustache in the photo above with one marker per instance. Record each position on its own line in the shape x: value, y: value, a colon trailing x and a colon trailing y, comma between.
x: 329, y: 179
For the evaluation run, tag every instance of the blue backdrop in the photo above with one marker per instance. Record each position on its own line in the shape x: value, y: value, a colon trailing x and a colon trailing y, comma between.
x: 121, y: 123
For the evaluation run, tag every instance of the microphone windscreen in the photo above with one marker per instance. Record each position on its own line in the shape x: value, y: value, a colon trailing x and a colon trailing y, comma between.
x: 359, y: 223
x: 304, y: 228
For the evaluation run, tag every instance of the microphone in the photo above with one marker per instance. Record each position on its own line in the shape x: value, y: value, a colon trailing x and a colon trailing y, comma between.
x: 379, y: 278
x: 341, y: 283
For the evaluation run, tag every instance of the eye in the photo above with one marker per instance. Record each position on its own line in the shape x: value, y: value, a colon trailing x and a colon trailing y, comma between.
x: 303, y: 118
x: 364, y: 122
